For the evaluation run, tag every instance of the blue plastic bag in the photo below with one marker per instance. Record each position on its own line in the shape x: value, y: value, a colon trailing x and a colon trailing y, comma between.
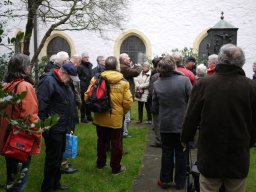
x: 71, y: 146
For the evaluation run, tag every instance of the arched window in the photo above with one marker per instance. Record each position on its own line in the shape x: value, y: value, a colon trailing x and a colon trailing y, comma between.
x: 135, y: 48
x: 56, y: 45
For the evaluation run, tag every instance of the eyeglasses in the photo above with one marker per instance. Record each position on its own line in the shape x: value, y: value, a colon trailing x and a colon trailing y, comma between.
x: 66, y: 61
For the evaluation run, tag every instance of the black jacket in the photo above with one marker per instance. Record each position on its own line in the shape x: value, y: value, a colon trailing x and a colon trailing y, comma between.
x: 54, y: 97
x: 85, y: 74
x: 224, y: 106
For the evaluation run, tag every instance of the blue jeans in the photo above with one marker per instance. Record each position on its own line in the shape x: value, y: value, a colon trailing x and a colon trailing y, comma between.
x: 127, y: 119
x: 14, y: 167
x: 172, y: 150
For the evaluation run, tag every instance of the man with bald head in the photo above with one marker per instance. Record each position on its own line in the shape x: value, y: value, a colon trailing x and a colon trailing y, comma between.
x: 224, y: 106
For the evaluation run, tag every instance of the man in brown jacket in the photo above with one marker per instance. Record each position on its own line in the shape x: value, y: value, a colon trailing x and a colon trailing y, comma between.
x: 129, y: 71
x: 224, y: 107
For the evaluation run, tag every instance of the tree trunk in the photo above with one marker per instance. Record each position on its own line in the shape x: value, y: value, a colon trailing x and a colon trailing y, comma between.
x: 29, y: 27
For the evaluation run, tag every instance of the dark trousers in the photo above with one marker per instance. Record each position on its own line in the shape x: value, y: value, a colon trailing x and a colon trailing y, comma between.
x: 54, y: 149
x: 172, y: 148
x: 114, y: 135
x: 140, y: 110
x: 12, y: 169
x: 83, y: 110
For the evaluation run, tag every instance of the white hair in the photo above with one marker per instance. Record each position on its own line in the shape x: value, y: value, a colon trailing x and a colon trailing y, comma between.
x: 53, y: 58
x: 201, y: 70
x: 213, y: 58
x: 61, y: 57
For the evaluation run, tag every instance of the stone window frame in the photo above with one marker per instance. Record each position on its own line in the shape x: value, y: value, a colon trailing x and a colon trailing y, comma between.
x: 61, y: 34
x: 128, y: 33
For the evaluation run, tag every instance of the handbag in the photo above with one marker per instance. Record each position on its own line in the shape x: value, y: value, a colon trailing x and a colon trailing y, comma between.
x: 18, y: 145
x: 71, y: 146
x: 139, y: 92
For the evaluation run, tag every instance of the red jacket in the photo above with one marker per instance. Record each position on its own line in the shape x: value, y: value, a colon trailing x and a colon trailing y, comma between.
x: 188, y: 74
x: 28, y: 106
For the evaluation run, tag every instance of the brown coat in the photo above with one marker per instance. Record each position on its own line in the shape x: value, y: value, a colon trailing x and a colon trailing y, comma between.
x: 28, y: 106
x: 129, y: 73
x: 224, y: 107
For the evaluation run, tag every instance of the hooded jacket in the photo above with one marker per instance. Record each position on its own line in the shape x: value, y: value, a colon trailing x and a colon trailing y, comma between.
x: 54, y: 97
x: 121, y: 99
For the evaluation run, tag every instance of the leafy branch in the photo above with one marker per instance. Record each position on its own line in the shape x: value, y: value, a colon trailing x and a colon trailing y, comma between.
x: 8, y: 98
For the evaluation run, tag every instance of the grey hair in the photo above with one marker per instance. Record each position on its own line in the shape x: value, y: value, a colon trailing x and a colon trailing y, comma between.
x: 145, y: 64
x: 166, y: 65
x: 254, y: 63
x: 121, y: 57
x: 213, y: 58
x: 84, y: 54
x: 111, y: 63
x: 177, y: 56
x: 61, y: 57
x: 99, y: 58
x: 231, y: 55
x: 17, y: 68
x: 201, y: 70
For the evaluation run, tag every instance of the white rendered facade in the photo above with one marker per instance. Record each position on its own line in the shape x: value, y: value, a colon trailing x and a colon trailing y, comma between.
x: 163, y: 25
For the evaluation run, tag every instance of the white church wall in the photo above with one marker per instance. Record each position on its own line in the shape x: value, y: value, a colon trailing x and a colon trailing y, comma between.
x: 168, y: 25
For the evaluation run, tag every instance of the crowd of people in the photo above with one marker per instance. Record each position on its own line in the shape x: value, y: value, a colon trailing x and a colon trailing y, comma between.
x: 180, y: 97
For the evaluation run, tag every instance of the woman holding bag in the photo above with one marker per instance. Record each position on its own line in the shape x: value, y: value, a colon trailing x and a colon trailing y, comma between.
x: 141, y: 92
x: 18, y: 80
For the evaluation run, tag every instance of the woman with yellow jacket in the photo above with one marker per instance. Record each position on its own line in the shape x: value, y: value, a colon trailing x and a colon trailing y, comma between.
x: 109, y: 125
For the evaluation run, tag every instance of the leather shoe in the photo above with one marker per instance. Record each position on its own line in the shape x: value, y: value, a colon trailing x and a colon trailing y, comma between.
x: 155, y: 145
x: 62, y: 187
x: 69, y: 170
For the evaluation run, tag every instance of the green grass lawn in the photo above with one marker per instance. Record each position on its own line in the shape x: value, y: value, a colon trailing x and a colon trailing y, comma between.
x: 89, y: 179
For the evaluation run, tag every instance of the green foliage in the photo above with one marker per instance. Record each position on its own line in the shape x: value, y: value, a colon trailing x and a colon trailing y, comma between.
x: 187, y: 52
x: 8, y: 98
x: 41, y: 65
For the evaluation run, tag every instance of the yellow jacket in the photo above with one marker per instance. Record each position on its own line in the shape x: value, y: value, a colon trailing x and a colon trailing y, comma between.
x: 121, y: 99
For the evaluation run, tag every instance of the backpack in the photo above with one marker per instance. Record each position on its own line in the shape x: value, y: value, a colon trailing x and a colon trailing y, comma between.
x: 99, y: 96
